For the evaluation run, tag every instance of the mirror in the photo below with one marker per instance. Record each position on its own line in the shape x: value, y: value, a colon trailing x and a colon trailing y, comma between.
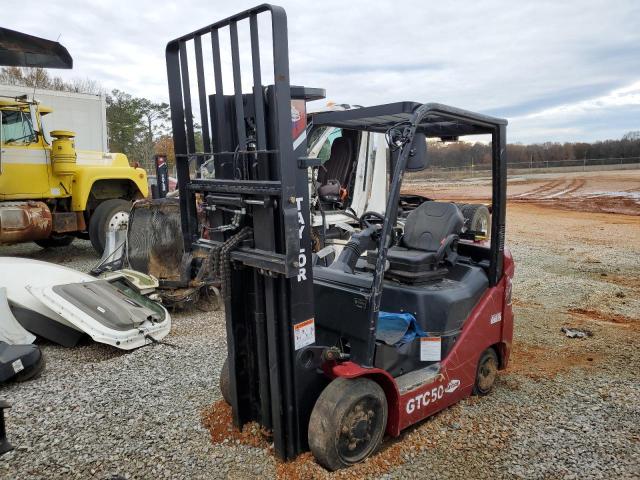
x: 418, y: 159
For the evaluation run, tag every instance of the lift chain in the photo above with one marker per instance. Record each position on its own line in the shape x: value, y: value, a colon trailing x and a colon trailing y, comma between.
x: 225, y: 259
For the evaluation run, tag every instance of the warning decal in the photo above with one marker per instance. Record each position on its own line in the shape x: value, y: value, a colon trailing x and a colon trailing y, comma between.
x: 304, y: 333
x: 430, y: 349
x: 17, y: 366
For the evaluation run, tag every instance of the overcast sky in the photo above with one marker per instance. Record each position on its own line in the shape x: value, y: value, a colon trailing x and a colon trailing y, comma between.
x: 558, y: 70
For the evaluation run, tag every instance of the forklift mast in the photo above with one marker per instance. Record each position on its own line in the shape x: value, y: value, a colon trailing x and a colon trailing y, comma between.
x: 251, y: 214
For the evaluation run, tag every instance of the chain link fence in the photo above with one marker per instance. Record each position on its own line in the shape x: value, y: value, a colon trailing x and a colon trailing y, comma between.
x: 534, y: 166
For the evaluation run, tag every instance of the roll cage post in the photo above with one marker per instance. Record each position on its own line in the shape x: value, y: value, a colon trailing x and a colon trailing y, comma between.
x: 499, y: 189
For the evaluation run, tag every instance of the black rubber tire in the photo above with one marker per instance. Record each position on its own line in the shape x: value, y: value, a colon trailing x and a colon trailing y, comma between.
x: 486, y: 372
x: 336, y: 421
x: 99, y: 221
x: 476, y: 217
x: 225, y: 387
x: 55, y: 241
x: 32, y: 373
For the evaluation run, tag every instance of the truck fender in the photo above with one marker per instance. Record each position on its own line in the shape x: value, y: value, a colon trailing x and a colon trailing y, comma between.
x: 85, y: 181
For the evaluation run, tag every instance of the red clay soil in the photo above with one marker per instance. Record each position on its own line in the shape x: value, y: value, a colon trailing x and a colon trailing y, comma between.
x: 606, y: 318
x: 305, y: 467
x: 217, y: 418
x: 597, y: 192
x: 538, y: 362
x: 622, y: 281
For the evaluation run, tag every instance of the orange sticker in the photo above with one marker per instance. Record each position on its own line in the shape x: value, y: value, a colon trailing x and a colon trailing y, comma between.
x: 304, y: 333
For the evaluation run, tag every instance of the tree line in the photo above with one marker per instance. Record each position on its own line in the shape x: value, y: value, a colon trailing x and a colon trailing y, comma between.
x: 464, y: 154
x: 140, y: 128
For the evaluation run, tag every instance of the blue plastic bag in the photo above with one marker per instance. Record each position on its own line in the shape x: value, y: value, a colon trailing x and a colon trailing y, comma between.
x: 398, y: 329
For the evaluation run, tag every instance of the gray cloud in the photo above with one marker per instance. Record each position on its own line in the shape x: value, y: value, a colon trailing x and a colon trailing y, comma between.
x: 528, y: 61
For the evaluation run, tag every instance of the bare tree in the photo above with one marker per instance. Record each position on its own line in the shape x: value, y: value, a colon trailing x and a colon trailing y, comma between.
x: 40, y: 78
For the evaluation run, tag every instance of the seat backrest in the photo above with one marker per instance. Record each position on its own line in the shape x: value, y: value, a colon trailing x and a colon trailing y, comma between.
x: 338, y: 165
x: 430, y: 223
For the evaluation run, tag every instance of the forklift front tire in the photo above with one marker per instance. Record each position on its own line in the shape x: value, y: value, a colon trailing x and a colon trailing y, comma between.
x: 224, y: 382
x: 348, y: 422
x: 486, y: 373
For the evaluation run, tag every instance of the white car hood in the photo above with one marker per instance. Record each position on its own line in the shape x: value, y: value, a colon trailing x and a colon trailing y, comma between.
x: 110, y: 311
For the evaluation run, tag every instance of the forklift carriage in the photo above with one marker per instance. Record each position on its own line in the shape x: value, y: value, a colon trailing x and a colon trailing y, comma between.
x: 330, y: 356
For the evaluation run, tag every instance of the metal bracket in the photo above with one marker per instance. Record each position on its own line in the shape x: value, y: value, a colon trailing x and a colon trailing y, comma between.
x: 308, y: 162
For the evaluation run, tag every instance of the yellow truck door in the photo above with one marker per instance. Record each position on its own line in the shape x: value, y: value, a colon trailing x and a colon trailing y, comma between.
x: 24, y: 162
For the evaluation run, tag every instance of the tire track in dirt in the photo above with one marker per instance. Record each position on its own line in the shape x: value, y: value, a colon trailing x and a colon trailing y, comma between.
x: 606, y: 192
x: 541, y: 189
x: 575, y: 184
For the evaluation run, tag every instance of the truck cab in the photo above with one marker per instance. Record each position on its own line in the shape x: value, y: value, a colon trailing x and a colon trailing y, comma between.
x: 353, y: 164
x: 50, y: 192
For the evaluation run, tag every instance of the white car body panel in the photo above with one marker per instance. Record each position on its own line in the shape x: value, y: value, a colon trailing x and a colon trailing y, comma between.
x: 11, y: 331
x: 29, y: 284
x: 143, y: 334
x: 18, y: 273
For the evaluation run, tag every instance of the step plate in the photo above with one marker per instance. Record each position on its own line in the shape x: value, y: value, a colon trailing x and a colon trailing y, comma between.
x: 417, y: 378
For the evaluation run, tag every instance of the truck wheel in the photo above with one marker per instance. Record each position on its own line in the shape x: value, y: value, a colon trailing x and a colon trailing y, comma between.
x: 477, y: 218
x: 347, y: 422
x: 486, y: 373
x: 55, y: 241
x: 224, y: 382
x: 107, y: 212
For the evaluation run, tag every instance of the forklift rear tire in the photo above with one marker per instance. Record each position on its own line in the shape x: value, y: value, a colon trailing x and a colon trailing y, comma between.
x: 55, y: 241
x: 224, y: 382
x: 100, y: 219
x: 486, y: 373
x: 348, y: 422
x: 477, y: 218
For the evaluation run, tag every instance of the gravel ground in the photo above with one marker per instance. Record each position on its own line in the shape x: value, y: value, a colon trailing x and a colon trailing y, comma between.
x: 566, y: 408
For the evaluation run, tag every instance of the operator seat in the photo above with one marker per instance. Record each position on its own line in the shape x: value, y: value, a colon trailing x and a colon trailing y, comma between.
x: 335, y: 171
x: 430, y: 235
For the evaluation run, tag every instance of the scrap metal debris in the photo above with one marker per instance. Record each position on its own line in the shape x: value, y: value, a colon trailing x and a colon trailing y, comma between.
x: 576, y: 332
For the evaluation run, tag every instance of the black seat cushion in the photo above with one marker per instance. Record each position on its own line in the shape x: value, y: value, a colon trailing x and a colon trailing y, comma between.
x: 402, y: 258
x: 429, y: 224
x: 415, y: 259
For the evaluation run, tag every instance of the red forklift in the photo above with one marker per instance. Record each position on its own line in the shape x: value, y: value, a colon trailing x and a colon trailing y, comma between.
x: 329, y: 354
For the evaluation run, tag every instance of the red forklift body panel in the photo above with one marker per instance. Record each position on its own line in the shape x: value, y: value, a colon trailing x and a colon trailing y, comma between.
x: 489, y: 324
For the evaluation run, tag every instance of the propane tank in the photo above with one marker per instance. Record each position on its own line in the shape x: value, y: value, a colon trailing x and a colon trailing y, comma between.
x: 63, y: 152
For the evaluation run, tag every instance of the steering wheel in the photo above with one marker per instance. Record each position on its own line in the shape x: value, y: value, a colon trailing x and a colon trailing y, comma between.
x: 369, y: 219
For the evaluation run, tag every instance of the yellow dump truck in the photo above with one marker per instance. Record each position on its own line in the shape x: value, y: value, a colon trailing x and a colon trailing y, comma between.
x: 51, y: 193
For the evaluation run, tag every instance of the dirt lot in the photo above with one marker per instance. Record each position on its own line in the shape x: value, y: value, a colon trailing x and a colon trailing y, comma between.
x: 565, y: 408
x: 616, y: 191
